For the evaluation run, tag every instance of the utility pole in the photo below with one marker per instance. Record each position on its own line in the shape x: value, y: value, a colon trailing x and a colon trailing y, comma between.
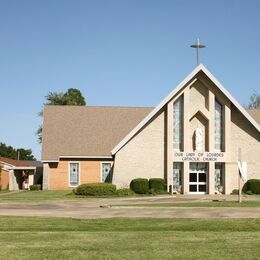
x: 198, y: 46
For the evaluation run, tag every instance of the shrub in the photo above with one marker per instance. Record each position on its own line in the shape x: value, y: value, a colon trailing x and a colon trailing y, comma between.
x: 157, y: 184
x: 249, y: 192
x: 95, y: 189
x: 35, y: 187
x: 125, y: 192
x: 254, y: 186
x: 235, y: 192
x: 140, y: 186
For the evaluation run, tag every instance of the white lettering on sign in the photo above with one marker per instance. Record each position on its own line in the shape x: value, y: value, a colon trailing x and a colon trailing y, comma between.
x: 199, y: 156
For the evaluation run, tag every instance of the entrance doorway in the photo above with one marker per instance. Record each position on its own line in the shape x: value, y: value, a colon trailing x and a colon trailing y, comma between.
x: 198, y: 178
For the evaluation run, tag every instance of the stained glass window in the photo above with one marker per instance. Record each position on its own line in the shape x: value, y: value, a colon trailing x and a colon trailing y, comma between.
x: 106, y: 172
x: 177, y: 172
x: 74, y: 174
x: 177, y: 123
x: 219, y: 178
x: 218, y: 126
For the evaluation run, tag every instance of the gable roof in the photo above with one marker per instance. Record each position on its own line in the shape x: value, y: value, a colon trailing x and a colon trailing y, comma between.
x: 172, y: 94
x: 86, y: 131
x: 15, y: 163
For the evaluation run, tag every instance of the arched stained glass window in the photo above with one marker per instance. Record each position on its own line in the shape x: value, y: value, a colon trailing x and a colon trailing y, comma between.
x: 177, y: 123
x: 218, y: 126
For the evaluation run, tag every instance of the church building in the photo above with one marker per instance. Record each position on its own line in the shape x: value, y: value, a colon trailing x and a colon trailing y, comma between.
x: 193, y: 139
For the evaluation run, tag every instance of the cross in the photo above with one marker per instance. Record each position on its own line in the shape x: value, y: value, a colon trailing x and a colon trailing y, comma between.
x: 198, y: 46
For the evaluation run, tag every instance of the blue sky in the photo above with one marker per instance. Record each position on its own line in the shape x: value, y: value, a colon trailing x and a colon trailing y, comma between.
x: 118, y: 52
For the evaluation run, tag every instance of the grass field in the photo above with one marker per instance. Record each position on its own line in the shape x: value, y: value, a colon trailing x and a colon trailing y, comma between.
x: 119, y: 238
x: 37, y: 195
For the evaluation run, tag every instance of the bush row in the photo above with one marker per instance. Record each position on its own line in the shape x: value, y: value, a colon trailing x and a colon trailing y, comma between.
x: 253, y: 185
x: 35, y: 187
x: 101, y: 189
x: 95, y: 189
x: 139, y: 186
x: 145, y: 186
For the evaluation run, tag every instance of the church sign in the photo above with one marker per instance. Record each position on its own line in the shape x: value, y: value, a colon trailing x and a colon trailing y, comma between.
x: 199, y: 156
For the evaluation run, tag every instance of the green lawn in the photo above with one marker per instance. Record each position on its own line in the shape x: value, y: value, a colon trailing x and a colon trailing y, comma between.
x: 243, y: 204
x: 122, y: 238
x: 46, y: 195
x: 37, y: 196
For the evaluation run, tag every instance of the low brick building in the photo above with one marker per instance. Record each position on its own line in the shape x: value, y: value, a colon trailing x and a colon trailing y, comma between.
x: 193, y: 139
x: 19, y: 175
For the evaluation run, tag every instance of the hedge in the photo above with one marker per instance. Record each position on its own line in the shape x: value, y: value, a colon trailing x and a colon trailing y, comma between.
x: 235, y: 192
x: 157, y: 184
x: 140, y: 186
x: 254, y: 185
x: 95, y: 189
x: 35, y: 187
x: 124, y: 192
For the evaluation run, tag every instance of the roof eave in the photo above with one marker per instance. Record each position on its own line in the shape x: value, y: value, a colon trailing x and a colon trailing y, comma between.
x: 199, y: 68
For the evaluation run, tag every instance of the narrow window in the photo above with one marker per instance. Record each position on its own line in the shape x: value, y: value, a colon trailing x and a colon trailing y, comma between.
x: 177, y: 174
x: 74, y: 174
x: 177, y: 123
x: 218, y: 126
x: 106, y: 172
x: 219, y: 178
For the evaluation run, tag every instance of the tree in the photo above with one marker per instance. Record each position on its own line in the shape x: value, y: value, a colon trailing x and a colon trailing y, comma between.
x: 72, y: 97
x: 254, y: 101
x: 12, y: 153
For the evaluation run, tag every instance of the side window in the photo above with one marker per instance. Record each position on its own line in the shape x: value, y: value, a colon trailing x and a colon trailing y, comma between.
x: 219, y: 178
x: 178, y: 124
x: 218, y: 126
x: 74, y: 174
x: 106, y: 172
x: 177, y: 176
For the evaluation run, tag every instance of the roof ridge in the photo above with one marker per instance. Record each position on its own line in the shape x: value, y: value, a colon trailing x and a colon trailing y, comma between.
x: 98, y: 106
x: 198, y: 69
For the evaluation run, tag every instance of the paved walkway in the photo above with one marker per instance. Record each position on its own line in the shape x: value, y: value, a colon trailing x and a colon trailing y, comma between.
x: 108, y: 208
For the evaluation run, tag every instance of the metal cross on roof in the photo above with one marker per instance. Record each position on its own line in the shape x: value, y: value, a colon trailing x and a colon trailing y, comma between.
x: 198, y: 46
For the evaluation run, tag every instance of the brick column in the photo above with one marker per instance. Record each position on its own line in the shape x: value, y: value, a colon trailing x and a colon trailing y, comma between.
x: 11, y: 180
x: 169, y: 144
x: 211, y: 178
x: 186, y: 173
x: 45, y: 179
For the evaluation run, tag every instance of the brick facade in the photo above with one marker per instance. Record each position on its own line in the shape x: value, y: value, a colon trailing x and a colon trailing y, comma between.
x: 90, y: 172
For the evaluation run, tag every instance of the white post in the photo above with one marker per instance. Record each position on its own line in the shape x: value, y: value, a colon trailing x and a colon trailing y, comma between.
x: 239, y: 178
x: 11, y: 177
x: 30, y: 180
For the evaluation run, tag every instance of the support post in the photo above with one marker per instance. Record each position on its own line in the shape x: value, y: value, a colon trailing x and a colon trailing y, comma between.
x: 239, y: 178
x: 170, y: 146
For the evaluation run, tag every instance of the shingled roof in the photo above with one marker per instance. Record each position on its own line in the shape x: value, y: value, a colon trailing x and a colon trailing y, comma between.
x: 15, y: 163
x: 91, y: 130
x: 86, y: 130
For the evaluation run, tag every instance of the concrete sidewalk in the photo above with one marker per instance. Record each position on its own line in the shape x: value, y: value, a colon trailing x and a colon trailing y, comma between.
x: 91, y: 208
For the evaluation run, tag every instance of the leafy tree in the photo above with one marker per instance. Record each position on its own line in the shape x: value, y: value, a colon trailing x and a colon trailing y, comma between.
x: 254, y: 101
x: 12, y: 153
x: 72, y: 97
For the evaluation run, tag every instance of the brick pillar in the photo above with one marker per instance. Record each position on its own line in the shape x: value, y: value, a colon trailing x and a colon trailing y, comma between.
x: 186, y: 173
x: 45, y: 179
x: 211, y: 178
x: 169, y: 145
